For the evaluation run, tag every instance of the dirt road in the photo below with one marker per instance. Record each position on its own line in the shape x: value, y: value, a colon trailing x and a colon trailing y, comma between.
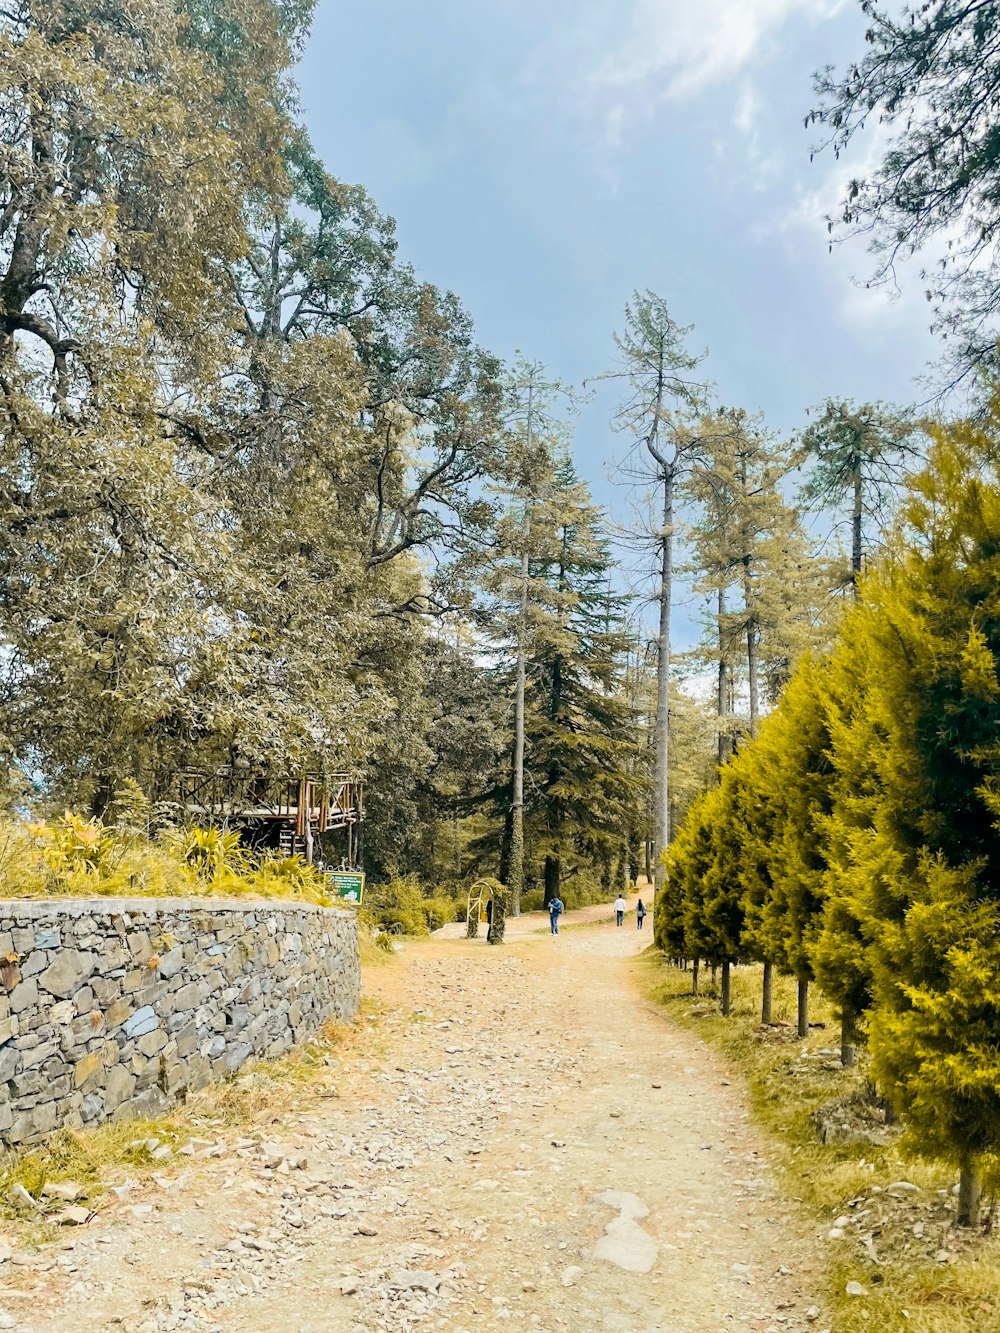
x: 515, y: 1142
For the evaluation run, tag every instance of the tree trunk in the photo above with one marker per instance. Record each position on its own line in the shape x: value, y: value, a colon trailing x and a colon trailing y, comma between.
x: 103, y: 798
x: 724, y: 693
x: 498, y: 924
x: 750, y: 613
x: 856, y: 518
x: 648, y: 860
x: 661, y: 780
x: 848, y: 1039
x: 752, y: 682
x: 633, y: 857
x: 695, y: 964
x: 969, y: 1193
x: 515, y: 878
x: 803, y: 1016
x: 552, y: 876
x: 715, y: 976
x: 727, y: 994
x: 505, y: 839
x: 607, y: 874
x: 767, y: 998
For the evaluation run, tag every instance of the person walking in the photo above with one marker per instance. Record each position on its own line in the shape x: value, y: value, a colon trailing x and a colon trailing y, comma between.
x: 640, y: 913
x: 555, y: 911
x: 620, y: 906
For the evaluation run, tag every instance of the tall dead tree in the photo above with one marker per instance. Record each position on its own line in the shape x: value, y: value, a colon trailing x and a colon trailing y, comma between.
x: 661, y: 402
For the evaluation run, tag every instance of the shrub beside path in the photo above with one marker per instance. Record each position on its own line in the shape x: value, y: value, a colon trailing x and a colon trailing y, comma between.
x: 516, y: 1142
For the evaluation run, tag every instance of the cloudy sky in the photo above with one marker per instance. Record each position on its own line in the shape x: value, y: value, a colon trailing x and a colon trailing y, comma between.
x: 543, y: 158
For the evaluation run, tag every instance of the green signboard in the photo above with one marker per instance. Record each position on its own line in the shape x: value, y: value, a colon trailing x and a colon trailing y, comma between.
x: 347, y: 884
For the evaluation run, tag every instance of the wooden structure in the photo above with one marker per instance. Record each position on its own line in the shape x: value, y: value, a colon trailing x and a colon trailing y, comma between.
x: 287, y: 814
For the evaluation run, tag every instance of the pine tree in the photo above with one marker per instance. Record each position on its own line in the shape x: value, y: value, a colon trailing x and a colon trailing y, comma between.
x: 582, y: 734
x: 753, y: 561
x: 860, y: 455
x: 534, y: 446
x: 663, y: 398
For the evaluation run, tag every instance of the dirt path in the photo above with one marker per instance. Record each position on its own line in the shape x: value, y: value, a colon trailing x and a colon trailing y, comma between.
x: 454, y: 1182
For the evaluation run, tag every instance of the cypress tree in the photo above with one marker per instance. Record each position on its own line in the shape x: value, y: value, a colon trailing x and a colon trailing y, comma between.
x: 929, y: 896
x: 799, y: 781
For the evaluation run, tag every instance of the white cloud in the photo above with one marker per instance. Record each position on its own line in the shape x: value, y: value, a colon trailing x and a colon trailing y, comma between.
x: 888, y: 309
x: 673, y: 49
x: 763, y: 166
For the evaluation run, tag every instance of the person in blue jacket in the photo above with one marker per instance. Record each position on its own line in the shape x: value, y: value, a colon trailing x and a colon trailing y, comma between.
x: 555, y: 910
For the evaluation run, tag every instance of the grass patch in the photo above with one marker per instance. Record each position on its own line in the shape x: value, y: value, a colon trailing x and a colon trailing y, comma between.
x: 921, y: 1273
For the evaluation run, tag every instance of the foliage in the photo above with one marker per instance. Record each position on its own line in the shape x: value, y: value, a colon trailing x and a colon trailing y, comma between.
x: 930, y: 77
x: 231, y: 420
x: 555, y: 623
x: 400, y: 906
x: 857, y: 839
x: 859, y: 454
x: 752, y: 559
x: 78, y: 857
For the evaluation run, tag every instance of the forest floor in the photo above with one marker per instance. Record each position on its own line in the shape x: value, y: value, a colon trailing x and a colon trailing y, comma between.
x: 511, y: 1139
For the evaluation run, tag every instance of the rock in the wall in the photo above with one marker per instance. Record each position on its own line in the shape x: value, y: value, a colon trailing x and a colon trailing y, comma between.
x: 115, y: 1008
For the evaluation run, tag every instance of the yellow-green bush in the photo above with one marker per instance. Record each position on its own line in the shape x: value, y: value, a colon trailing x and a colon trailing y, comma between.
x: 440, y: 912
x: 75, y: 857
x: 401, y: 905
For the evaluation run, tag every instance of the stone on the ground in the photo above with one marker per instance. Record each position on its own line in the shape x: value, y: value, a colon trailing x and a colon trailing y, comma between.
x: 624, y: 1242
x: 901, y: 1188
x: 19, y: 1198
x: 68, y: 1191
x: 415, y: 1280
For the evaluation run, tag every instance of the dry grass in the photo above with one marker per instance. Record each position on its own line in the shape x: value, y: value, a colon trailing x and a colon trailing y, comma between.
x: 789, y: 1079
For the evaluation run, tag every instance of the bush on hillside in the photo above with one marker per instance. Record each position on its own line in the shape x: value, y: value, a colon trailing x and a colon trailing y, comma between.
x: 76, y: 857
x: 401, y: 905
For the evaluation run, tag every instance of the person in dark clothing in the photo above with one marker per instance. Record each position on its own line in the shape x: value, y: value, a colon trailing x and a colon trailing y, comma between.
x: 640, y: 913
x: 555, y: 911
x: 489, y: 920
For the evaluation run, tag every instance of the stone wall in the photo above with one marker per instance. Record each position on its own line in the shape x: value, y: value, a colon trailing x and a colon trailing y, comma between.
x: 114, y: 1008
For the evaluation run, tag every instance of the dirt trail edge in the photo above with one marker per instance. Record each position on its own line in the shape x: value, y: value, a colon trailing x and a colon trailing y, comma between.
x: 516, y: 1143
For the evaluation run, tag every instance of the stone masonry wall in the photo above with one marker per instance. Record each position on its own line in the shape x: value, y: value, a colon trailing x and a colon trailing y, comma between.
x: 114, y: 1008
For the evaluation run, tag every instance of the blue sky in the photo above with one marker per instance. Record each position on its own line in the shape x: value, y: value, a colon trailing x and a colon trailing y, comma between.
x: 543, y: 158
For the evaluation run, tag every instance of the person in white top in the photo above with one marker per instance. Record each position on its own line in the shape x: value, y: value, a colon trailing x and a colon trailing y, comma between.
x: 620, y: 906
